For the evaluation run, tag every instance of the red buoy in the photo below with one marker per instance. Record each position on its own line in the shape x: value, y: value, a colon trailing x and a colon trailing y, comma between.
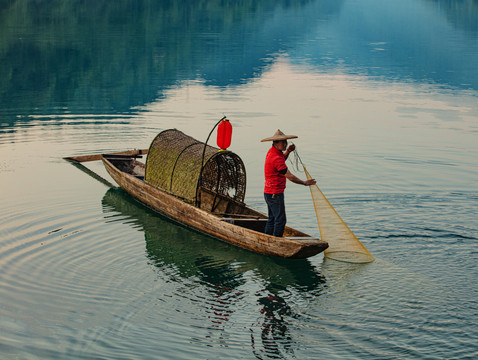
x: 224, y: 134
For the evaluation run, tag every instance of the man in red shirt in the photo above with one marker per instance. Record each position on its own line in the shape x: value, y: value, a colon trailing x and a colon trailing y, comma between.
x: 276, y: 174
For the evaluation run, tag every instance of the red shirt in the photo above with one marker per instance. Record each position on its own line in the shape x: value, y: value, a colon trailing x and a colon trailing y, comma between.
x: 274, y: 170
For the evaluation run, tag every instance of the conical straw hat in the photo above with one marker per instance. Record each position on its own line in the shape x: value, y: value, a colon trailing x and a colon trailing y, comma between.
x: 279, y: 135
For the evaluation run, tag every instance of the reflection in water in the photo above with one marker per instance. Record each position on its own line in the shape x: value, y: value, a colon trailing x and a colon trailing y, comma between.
x: 274, y: 328
x: 100, y: 57
x: 73, y: 284
x: 110, y: 57
x: 404, y: 41
x: 225, y: 271
x: 461, y: 14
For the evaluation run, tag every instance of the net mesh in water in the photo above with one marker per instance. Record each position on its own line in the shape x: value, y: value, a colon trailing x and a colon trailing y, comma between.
x: 343, y: 244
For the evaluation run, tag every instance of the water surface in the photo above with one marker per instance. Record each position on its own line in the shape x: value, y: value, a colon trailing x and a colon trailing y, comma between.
x: 383, y: 97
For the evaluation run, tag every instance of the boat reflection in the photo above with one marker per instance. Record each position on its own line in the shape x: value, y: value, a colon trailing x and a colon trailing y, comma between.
x: 179, y: 254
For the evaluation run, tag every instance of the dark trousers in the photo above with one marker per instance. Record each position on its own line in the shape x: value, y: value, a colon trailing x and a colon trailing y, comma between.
x: 276, y: 210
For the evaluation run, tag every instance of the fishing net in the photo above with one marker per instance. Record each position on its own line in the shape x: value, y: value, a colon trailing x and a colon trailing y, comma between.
x: 343, y: 244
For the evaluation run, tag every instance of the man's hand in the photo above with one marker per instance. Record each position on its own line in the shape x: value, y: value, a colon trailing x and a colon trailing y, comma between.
x: 296, y: 180
x: 310, y: 182
x: 289, y: 150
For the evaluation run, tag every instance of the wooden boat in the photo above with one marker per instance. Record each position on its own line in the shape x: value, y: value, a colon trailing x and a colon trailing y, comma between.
x: 226, y: 219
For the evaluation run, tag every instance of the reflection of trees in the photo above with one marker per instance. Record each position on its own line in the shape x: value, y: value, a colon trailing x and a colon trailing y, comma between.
x: 110, y: 56
x: 394, y: 43
x: 179, y: 254
x: 462, y: 14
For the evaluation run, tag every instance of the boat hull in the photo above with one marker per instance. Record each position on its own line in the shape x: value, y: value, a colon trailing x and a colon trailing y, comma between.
x: 297, y: 246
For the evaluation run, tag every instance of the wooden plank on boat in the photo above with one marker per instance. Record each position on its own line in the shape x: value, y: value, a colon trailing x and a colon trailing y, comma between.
x: 96, y: 157
x: 235, y: 216
x: 302, y: 238
x: 243, y: 219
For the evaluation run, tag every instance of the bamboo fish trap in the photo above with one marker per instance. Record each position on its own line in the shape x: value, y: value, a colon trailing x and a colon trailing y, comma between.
x: 199, y: 174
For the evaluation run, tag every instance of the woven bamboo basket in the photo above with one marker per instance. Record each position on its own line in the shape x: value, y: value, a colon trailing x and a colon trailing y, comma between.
x: 205, y: 176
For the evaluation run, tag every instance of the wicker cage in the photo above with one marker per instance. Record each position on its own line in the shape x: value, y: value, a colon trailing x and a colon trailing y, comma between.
x: 175, y: 164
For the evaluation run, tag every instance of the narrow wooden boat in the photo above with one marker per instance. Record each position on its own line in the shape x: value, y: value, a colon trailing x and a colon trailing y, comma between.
x: 203, y: 188
x: 243, y: 228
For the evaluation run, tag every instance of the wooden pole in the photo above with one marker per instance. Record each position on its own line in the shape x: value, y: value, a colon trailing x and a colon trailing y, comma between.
x: 96, y: 157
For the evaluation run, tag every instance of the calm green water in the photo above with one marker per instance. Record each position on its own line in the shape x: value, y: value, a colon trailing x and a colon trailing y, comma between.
x: 384, y: 98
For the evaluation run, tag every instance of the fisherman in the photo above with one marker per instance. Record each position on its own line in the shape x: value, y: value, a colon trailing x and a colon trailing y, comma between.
x: 276, y: 175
